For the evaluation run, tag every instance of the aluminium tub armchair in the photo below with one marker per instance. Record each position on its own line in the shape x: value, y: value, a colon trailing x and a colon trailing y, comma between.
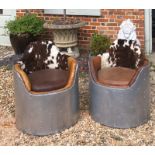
x: 119, y: 97
x: 46, y: 112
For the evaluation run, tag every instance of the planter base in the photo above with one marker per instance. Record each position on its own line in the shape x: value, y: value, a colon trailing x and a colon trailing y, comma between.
x: 65, y: 38
x: 20, y: 42
x: 72, y: 51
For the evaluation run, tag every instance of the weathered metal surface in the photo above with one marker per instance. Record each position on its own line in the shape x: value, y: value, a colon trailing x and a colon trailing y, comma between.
x: 121, y: 107
x: 43, y: 114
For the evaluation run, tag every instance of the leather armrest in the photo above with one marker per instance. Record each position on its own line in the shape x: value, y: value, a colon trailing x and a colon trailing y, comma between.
x: 72, y: 67
x: 24, y: 76
x: 95, y: 66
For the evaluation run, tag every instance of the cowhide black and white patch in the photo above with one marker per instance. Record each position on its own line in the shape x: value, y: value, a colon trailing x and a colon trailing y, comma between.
x: 123, y: 53
x: 43, y: 55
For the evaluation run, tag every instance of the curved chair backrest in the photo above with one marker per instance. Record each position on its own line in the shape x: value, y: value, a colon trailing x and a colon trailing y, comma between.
x: 95, y: 66
x: 72, y: 63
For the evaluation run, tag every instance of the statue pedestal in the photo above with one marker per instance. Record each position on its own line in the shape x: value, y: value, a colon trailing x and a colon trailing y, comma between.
x: 71, y: 51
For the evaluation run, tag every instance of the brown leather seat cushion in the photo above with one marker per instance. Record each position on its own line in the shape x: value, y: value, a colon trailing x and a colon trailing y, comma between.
x: 116, y: 76
x: 48, y: 80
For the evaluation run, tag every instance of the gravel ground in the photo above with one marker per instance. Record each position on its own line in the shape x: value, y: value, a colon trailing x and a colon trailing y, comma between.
x: 85, y: 132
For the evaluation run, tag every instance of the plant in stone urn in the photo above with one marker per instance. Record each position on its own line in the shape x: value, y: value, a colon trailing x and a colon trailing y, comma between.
x: 65, y: 33
x: 24, y: 30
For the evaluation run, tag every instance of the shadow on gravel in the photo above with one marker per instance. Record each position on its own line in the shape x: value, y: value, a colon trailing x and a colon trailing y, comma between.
x: 9, y: 61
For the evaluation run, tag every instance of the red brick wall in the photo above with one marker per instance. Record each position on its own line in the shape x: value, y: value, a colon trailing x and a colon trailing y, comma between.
x: 107, y: 24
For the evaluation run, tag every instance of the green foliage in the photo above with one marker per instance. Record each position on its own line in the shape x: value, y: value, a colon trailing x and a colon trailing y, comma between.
x: 82, y: 74
x: 99, y: 44
x: 29, y: 23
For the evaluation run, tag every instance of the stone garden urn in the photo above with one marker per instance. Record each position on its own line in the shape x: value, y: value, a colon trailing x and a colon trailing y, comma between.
x: 65, y: 36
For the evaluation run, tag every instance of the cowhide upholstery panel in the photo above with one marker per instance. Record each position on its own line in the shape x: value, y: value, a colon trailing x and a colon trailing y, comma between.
x: 42, y: 55
x: 123, y: 53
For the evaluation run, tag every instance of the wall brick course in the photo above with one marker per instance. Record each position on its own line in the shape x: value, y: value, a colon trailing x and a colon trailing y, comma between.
x: 107, y: 24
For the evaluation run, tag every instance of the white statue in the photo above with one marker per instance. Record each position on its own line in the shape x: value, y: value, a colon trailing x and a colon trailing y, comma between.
x: 127, y: 31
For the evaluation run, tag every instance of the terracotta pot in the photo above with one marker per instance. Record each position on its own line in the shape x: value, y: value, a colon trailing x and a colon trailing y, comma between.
x: 19, y: 42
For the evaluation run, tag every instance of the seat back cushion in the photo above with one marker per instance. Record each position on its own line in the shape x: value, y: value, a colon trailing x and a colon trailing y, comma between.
x: 123, y: 53
x: 48, y: 79
x: 40, y: 55
x: 116, y: 76
x: 126, y: 53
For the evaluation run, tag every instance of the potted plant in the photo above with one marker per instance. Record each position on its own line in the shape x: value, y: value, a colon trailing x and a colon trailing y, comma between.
x: 23, y: 30
x: 65, y: 31
x: 99, y: 44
